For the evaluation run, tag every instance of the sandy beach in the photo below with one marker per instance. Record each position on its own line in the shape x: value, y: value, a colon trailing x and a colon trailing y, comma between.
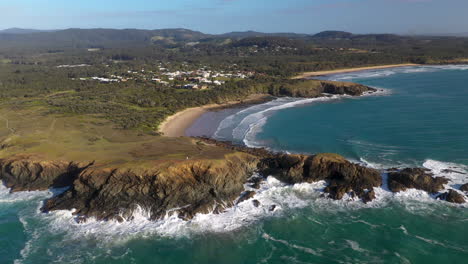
x: 177, y: 124
x: 321, y: 73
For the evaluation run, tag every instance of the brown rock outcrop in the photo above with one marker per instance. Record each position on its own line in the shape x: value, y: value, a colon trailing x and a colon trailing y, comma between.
x: 317, y: 88
x: 245, y: 196
x: 368, y: 196
x: 342, y: 175
x: 452, y: 197
x: 348, y: 88
x: 189, y: 188
x: 199, y: 186
x: 416, y: 178
x: 27, y: 174
x: 464, y: 187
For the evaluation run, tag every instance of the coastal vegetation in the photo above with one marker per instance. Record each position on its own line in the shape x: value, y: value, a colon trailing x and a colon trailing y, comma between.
x: 135, y: 104
x: 133, y: 80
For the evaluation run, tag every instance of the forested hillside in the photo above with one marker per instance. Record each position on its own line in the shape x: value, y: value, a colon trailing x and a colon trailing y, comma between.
x: 136, y: 78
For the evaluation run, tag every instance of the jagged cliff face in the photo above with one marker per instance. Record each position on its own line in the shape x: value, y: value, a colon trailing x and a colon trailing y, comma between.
x: 197, y: 186
x: 193, y: 187
x: 105, y: 193
x: 343, y: 176
x: 189, y: 187
x: 25, y: 173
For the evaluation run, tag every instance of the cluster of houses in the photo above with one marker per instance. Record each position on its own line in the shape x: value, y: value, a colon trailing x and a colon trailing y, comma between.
x: 105, y: 80
x: 197, y: 79
x: 72, y: 66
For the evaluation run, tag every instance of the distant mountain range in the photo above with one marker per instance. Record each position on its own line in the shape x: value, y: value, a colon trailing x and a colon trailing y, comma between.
x: 86, y: 38
x: 22, y: 31
x: 237, y: 34
x: 456, y: 34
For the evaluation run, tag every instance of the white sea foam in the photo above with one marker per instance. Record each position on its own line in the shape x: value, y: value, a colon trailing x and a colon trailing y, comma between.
x: 253, y: 123
x: 271, y: 192
x: 29, y: 245
x: 315, y: 252
x: 355, y: 246
x: 456, y: 173
x: 444, y: 244
x: 367, y: 74
x: 363, y: 74
x: 233, y: 120
x: 252, y: 120
x: 7, y: 197
x: 245, y: 124
x: 403, y: 259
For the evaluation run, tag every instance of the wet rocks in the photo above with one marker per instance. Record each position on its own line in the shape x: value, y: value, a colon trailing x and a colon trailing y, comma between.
x: 255, y: 182
x: 464, y: 187
x: 186, y: 189
x: 200, y: 186
x: 342, y: 176
x: 286, y: 168
x: 416, y: 178
x: 452, y: 197
x: 368, y: 196
x: 452, y: 171
x: 245, y: 196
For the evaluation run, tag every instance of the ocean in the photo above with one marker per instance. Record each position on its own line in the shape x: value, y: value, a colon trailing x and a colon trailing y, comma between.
x: 418, y: 118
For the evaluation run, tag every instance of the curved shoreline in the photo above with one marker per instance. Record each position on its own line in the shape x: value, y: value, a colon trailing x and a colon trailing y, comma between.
x: 176, y: 125
x: 211, y: 184
x: 348, y: 70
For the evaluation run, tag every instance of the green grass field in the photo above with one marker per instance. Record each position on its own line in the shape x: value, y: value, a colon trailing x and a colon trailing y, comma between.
x: 30, y: 131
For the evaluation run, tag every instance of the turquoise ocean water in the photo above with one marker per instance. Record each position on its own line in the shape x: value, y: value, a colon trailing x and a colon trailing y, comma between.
x: 418, y: 118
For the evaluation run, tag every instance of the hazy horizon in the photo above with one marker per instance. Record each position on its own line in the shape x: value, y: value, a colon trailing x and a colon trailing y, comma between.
x: 221, y: 16
x: 247, y: 30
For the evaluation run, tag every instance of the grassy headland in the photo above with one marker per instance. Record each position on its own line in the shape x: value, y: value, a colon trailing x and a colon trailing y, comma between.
x: 104, y: 97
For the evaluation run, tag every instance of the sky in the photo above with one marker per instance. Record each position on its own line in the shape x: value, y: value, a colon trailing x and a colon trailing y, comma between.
x: 220, y: 16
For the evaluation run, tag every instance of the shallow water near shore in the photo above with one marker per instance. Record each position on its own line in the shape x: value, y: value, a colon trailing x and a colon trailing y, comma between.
x: 418, y: 119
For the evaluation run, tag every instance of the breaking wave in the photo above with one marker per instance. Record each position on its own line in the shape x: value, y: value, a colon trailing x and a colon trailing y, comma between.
x: 244, y: 125
x: 369, y: 74
x: 275, y: 198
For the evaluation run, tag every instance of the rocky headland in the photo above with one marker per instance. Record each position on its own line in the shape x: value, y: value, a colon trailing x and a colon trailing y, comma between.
x: 203, y: 185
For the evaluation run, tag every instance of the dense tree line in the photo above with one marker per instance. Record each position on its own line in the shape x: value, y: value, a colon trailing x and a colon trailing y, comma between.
x: 29, y: 76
